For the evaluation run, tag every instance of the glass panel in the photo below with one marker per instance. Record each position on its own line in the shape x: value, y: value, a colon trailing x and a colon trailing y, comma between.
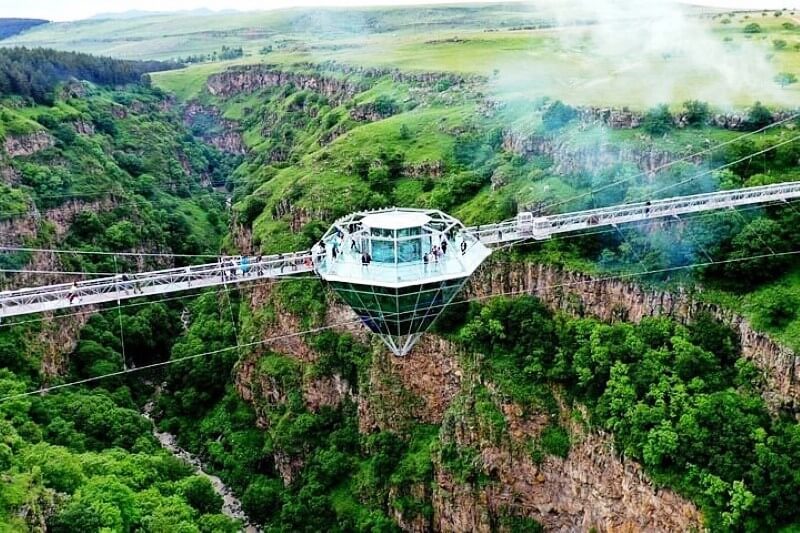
x: 409, y: 251
x: 382, y: 251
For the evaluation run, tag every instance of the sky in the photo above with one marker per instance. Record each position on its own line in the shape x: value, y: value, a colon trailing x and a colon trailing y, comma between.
x: 78, y: 9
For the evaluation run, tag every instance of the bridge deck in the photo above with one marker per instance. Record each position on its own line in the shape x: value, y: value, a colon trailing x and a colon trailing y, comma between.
x: 112, y: 289
x: 527, y: 226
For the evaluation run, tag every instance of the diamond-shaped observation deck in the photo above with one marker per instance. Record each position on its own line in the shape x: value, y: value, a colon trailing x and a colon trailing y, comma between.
x: 398, y: 268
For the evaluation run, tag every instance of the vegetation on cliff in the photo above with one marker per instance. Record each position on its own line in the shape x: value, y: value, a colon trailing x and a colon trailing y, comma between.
x: 115, y: 170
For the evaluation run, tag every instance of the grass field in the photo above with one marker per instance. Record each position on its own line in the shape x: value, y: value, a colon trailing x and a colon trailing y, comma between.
x: 526, y: 50
x: 568, y: 63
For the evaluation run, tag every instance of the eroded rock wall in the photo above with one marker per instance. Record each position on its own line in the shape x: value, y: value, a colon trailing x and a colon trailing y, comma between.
x: 253, y: 78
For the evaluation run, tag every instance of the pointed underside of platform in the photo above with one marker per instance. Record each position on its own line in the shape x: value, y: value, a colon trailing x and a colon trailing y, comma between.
x: 402, y: 345
x: 399, y: 316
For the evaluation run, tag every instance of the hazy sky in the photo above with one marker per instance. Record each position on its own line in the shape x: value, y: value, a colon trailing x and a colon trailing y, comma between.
x: 78, y: 9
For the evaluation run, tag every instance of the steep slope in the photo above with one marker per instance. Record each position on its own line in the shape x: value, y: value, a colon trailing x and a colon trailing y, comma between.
x: 112, y: 171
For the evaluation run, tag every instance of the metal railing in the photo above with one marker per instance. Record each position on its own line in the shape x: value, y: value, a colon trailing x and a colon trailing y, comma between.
x: 228, y: 270
x: 527, y: 226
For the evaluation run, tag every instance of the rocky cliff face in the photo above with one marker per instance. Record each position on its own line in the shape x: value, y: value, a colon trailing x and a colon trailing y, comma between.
x: 252, y: 78
x: 593, y: 157
x: 225, y: 134
x: 614, y: 299
x: 591, y: 488
x: 627, y: 119
x: 16, y: 230
x: 405, y: 390
x: 57, y: 337
x: 83, y: 127
x: 22, y: 145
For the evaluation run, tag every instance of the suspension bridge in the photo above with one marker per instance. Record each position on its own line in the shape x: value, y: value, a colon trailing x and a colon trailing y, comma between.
x: 397, y: 268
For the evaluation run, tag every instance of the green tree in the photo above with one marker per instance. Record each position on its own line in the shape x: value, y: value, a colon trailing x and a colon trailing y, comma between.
x: 200, y: 494
x: 385, y: 105
x: 775, y: 307
x: 557, y: 115
x: 696, y: 112
x: 657, y: 120
x: 263, y: 499
x: 758, y: 116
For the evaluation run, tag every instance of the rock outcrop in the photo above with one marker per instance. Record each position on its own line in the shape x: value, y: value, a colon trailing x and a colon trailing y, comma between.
x: 208, y: 123
x: 252, y: 78
x: 369, y: 112
x: 591, y: 488
x: 624, y: 118
x: 424, y: 169
x: 28, y: 144
x: 404, y: 390
x: 83, y: 127
x: 16, y: 230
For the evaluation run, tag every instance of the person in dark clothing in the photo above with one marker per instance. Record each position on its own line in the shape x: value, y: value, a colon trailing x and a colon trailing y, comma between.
x: 126, y: 283
x: 364, y: 260
x: 463, y: 247
x: 444, y: 246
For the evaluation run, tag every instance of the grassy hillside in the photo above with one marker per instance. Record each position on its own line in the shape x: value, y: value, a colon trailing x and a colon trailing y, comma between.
x: 13, y: 26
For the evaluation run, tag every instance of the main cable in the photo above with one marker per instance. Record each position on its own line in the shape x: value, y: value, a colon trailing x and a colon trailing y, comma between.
x: 169, y: 362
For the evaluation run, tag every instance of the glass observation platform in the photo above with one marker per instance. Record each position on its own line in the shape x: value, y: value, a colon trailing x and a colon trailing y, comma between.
x: 398, y: 268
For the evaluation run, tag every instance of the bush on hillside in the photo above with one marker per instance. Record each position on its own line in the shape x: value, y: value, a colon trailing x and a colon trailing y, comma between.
x: 785, y: 78
x: 758, y: 116
x: 558, y: 115
x: 696, y: 112
x: 658, y: 120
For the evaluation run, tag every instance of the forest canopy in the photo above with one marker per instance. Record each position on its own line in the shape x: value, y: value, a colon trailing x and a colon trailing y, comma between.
x: 36, y: 72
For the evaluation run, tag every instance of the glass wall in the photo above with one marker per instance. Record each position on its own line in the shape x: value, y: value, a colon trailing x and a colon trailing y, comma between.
x: 398, y: 312
x: 401, y: 246
x: 409, y: 245
x: 382, y: 245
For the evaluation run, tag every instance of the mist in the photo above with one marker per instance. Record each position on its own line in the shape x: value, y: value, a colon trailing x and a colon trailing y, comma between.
x: 641, y: 53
